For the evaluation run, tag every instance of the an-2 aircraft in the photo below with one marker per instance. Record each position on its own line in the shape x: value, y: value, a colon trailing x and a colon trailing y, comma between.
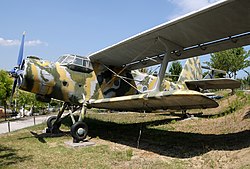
x: 108, y: 78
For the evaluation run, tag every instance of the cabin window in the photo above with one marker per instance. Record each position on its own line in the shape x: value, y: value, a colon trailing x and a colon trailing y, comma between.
x: 84, y: 63
x: 76, y: 63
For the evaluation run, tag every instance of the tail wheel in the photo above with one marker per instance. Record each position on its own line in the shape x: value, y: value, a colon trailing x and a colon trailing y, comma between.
x: 50, y: 122
x: 79, y: 131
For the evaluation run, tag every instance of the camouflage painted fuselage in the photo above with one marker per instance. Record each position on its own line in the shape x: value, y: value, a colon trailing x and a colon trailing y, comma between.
x: 52, y: 80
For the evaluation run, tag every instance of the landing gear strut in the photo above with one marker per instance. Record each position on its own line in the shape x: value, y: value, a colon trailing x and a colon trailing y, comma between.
x: 54, y: 122
x: 185, y: 114
x: 78, y: 130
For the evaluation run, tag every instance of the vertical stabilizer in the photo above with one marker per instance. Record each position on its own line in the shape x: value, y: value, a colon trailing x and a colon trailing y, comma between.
x: 191, y: 71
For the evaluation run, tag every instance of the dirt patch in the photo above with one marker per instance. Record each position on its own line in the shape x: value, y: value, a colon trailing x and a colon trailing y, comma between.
x: 216, y: 142
x: 232, y: 123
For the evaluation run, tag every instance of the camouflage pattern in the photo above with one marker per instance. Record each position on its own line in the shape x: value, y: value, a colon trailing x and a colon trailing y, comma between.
x: 146, y: 83
x: 191, y: 71
x: 111, y: 85
x: 53, y: 80
x: 166, y: 100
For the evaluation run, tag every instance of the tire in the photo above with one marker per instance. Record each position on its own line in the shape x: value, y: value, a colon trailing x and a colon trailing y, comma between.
x: 50, y: 122
x: 79, y: 131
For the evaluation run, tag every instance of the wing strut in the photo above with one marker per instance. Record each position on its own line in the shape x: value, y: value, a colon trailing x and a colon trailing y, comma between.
x: 121, y: 77
x: 167, y: 56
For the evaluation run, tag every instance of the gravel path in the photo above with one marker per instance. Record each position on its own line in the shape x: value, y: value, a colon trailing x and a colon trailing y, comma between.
x: 22, y: 123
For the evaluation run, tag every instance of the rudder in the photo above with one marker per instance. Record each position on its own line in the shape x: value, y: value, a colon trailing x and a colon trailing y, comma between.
x: 191, y: 71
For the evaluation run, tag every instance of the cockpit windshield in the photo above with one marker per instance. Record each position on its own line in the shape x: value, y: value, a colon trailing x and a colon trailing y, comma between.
x: 61, y: 58
x: 76, y: 63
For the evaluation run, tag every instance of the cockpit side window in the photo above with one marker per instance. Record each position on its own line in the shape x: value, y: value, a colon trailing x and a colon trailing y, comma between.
x: 78, y: 61
x: 84, y: 63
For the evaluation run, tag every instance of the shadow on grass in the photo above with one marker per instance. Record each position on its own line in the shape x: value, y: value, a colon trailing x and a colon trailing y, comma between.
x: 41, y: 137
x: 201, y: 115
x: 8, y: 156
x: 168, y: 143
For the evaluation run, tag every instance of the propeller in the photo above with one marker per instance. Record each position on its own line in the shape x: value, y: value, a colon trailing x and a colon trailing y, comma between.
x: 16, y: 72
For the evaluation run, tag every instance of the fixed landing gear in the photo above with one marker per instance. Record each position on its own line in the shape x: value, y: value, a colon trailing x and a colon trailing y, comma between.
x: 78, y: 130
x: 53, y: 125
x: 185, y: 115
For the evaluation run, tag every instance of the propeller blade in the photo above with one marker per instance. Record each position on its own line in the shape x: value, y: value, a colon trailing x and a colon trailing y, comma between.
x: 19, y: 80
x: 13, y: 90
x: 16, y: 71
x: 20, y: 56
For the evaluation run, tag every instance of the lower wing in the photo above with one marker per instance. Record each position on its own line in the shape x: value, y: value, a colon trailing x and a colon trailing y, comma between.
x: 219, y: 83
x: 170, y: 100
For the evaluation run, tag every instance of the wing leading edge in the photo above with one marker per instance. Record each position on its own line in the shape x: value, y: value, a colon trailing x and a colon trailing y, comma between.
x: 174, y: 100
x: 223, y: 25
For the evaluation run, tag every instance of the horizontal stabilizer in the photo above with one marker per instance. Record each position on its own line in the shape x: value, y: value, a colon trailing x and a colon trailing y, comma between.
x: 219, y: 83
x: 167, y: 100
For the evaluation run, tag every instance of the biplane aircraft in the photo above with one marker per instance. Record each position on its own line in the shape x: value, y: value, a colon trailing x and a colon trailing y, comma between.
x: 108, y: 79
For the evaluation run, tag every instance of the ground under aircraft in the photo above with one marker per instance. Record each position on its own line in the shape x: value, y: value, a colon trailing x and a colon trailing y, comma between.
x: 108, y: 79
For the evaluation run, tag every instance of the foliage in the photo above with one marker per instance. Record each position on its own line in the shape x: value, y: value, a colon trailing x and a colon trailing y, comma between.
x: 175, y: 70
x: 56, y: 103
x: 245, y: 82
x: 5, y: 86
x: 26, y: 98
x: 231, y: 60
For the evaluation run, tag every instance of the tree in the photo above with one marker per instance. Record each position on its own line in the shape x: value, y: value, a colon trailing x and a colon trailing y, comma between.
x: 231, y: 60
x: 175, y: 70
x: 26, y: 98
x: 5, y: 88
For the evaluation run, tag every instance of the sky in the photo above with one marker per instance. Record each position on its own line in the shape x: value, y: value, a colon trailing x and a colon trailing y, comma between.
x: 58, y: 27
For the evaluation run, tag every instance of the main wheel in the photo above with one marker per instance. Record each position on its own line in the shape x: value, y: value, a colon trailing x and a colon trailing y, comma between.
x: 51, y: 120
x: 79, y: 131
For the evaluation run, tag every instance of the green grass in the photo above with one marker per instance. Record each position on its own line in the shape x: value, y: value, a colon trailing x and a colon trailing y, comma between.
x: 26, y: 151
x: 22, y: 149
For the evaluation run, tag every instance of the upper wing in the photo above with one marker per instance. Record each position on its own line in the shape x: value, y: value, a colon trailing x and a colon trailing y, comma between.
x: 171, y: 100
x: 218, y: 83
x: 223, y: 25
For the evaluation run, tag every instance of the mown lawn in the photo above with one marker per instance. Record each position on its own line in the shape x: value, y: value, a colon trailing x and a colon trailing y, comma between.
x: 166, y: 142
